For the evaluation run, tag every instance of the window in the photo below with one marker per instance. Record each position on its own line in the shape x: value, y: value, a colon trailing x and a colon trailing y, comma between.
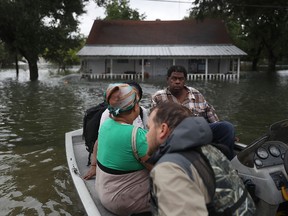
x: 146, y: 62
x: 196, y: 66
x: 122, y: 61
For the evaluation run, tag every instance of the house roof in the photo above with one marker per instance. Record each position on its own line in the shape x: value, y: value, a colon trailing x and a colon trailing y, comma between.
x: 181, y: 38
x: 161, y: 51
x: 158, y: 32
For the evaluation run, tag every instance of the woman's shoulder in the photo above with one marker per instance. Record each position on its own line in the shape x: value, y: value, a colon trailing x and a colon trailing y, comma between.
x: 141, y: 133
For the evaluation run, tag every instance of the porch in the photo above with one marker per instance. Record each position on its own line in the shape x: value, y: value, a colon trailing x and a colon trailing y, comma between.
x: 190, y: 77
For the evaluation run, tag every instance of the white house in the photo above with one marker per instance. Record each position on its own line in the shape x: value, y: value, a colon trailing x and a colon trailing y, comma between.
x: 139, y: 49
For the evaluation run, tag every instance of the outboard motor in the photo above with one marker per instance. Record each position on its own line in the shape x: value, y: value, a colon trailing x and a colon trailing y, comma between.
x: 263, y: 167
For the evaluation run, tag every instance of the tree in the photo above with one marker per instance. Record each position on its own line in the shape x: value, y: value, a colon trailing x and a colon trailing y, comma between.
x: 5, y: 56
x: 262, y: 25
x: 66, y: 52
x: 30, y: 26
x: 119, y: 10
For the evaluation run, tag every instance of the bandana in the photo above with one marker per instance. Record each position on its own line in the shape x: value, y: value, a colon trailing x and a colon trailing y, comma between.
x: 120, y: 98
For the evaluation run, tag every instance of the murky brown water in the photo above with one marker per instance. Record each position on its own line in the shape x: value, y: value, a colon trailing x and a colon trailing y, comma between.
x: 34, y: 177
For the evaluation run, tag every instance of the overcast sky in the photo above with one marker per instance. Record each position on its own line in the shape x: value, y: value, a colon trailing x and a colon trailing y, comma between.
x: 154, y: 9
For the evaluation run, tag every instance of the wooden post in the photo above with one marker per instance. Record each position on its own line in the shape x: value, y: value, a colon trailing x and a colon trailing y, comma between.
x: 206, y: 68
x: 111, y: 68
x: 238, y: 69
x: 142, y: 69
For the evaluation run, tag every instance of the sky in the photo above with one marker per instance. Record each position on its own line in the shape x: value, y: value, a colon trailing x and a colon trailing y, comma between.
x: 153, y: 9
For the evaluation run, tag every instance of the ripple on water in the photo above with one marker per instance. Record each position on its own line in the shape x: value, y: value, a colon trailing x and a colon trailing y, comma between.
x: 26, y: 186
x: 34, y: 117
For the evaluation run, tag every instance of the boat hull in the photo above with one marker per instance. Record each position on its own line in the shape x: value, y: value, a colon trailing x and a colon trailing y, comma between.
x: 77, y: 158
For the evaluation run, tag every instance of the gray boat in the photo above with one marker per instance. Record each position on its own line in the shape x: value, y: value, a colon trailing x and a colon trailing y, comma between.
x: 77, y: 161
x: 262, y: 165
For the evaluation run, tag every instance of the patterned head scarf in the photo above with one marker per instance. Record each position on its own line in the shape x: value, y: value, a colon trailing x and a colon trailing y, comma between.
x: 137, y: 87
x: 120, y: 98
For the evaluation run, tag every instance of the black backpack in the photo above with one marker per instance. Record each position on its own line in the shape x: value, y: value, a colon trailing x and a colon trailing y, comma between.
x: 91, y: 123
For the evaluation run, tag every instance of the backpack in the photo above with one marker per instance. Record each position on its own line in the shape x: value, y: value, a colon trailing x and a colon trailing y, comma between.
x: 225, y: 188
x: 91, y: 123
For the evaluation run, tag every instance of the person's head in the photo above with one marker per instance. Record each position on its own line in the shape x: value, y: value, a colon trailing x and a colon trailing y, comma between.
x: 176, y: 77
x: 121, y: 98
x: 137, y: 87
x: 163, y: 119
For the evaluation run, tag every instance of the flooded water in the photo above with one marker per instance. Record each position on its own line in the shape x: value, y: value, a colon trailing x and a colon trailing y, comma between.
x: 34, y: 117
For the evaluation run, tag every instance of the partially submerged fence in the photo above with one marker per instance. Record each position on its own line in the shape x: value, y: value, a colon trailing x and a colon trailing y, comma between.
x: 139, y: 76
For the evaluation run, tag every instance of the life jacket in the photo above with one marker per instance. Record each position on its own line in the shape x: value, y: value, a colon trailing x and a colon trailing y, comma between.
x: 226, y: 190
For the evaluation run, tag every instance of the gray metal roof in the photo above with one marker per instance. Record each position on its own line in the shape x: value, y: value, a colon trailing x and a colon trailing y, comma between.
x: 151, y: 51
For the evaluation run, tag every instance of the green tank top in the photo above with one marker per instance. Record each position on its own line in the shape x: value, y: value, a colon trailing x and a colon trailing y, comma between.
x: 114, y: 146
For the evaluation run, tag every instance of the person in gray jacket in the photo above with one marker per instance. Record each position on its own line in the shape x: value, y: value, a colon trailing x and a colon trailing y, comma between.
x: 188, y: 170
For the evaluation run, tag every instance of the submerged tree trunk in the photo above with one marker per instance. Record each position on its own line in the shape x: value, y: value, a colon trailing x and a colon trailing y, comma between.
x: 272, y: 60
x: 256, y: 57
x: 33, y: 69
x: 272, y: 66
x: 254, y: 64
x: 17, y: 66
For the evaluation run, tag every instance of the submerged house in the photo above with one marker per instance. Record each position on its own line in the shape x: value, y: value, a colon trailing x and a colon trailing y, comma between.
x: 124, y: 49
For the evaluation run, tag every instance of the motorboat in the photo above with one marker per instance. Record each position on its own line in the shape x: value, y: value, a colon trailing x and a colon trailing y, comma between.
x: 262, y: 165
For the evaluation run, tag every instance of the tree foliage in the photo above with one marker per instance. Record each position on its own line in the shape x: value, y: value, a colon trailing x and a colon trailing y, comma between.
x: 66, y: 52
x: 119, y: 10
x: 31, y: 26
x: 6, y: 57
x: 258, y: 27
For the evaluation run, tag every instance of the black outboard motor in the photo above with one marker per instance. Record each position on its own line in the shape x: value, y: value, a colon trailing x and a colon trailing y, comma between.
x: 263, y: 167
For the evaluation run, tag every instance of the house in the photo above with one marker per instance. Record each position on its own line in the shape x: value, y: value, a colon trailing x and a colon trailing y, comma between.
x: 121, y: 48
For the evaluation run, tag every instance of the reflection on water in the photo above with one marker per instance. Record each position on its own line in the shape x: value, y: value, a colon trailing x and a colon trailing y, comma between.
x: 35, y: 116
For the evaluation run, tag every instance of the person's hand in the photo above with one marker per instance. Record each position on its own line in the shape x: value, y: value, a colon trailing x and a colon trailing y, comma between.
x: 91, y: 173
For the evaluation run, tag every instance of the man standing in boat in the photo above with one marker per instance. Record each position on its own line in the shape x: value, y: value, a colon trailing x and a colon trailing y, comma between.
x: 178, y: 92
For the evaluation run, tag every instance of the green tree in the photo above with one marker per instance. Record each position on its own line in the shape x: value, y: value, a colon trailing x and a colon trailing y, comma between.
x: 261, y: 25
x: 119, y: 10
x: 30, y: 26
x: 66, y: 52
x: 6, y: 57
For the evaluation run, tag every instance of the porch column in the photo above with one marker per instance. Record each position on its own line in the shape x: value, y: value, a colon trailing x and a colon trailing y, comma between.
x: 174, y: 61
x: 238, y: 69
x: 142, y: 69
x: 206, y: 68
x: 111, y: 68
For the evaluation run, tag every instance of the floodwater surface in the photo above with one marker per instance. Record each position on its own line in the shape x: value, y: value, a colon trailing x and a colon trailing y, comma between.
x: 34, y: 117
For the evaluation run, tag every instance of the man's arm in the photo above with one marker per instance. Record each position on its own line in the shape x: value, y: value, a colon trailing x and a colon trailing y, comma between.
x: 211, y: 114
x: 176, y: 193
x: 205, y: 109
x: 158, y: 97
x: 153, y: 101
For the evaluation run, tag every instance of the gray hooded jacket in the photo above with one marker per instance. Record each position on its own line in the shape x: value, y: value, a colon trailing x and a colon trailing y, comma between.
x: 191, y: 134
